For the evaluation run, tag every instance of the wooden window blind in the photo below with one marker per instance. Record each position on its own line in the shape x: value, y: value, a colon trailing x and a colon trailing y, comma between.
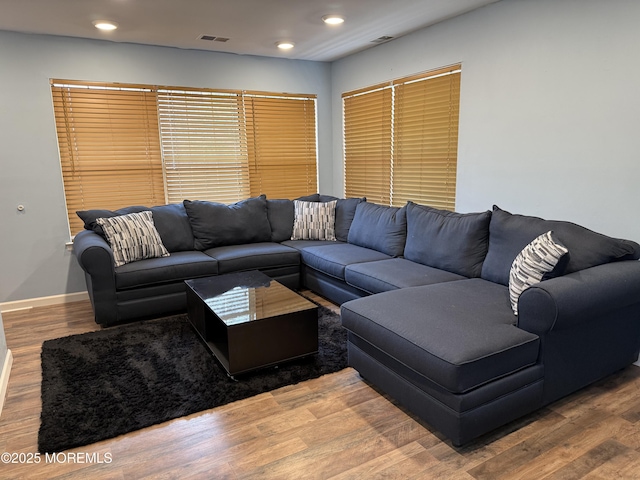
x: 281, y: 133
x: 109, y: 146
x: 124, y: 145
x: 204, y: 145
x: 367, y: 145
x: 418, y: 128
x: 425, y: 148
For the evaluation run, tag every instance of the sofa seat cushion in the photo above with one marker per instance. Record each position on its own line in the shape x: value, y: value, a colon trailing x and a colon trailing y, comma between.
x: 177, y: 267
x: 393, y: 273
x: 458, y: 334
x: 253, y: 256
x: 302, y: 244
x: 332, y: 259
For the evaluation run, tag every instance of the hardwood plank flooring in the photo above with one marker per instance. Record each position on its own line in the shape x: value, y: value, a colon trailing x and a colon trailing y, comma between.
x: 337, y: 426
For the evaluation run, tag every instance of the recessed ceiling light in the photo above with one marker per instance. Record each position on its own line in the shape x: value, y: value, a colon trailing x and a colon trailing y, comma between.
x: 105, y: 25
x: 333, y: 19
x: 285, y: 45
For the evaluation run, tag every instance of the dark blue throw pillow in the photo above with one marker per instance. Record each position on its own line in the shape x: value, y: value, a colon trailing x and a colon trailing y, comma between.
x: 345, y: 211
x: 171, y: 222
x: 174, y: 227
x: 281, y: 216
x: 455, y: 242
x: 89, y: 216
x: 315, y: 197
x: 510, y: 233
x: 217, y: 224
x: 379, y: 227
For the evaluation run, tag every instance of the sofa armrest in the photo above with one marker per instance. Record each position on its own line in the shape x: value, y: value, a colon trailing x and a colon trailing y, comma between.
x: 579, y: 297
x: 93, y: 252
x: 96, y: 259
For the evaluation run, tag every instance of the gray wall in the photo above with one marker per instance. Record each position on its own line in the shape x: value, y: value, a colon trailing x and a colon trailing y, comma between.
x: 35, y: 262
x: 550, y: 102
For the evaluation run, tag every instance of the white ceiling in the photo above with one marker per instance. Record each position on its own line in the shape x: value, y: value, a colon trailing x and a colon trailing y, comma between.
x: 252, y: 26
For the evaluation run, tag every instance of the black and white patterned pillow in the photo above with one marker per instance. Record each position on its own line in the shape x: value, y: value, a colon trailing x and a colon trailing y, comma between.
x: 314, y: 220
x: 535, y: 260
x: 132, y: 237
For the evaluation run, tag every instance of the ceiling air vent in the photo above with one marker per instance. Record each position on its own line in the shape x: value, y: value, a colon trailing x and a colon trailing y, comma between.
x: 213, y: 38
x: 384, y: 38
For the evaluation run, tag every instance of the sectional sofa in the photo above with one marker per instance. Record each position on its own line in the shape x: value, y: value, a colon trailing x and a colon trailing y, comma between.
x: 469, y: 320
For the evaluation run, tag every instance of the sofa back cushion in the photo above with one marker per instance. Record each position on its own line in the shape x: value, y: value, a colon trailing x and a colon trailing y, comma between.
x: 345, y: 212
x: 379, y: 227
x: 217, y: 224
x: 171, y: 222
x: 174, y: 227
x: 509, y: 234
x: 455, y: 242
x: 89, y: 217
x: 314, y: 197
x: 281, y: 215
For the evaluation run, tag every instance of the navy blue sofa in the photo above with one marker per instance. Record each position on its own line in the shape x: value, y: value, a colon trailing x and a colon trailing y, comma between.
x: 424, y: 295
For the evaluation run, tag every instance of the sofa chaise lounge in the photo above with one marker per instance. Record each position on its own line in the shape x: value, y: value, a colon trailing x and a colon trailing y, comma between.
x: 433, y: 301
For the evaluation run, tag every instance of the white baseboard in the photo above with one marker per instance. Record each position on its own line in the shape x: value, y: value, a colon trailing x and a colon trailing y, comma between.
x: 4, y: 378
x: 43, y: 301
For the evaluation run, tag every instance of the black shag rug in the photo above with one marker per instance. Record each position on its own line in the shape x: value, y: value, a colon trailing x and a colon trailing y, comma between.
x: 102, y: 384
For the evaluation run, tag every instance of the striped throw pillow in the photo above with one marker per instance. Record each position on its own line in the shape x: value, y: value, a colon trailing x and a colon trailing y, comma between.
x: 132, y: 237
x: 535, y: 260
x: 314, y: 220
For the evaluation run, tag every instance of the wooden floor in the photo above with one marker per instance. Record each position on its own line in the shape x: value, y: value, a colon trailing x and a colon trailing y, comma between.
x: 336, y: 426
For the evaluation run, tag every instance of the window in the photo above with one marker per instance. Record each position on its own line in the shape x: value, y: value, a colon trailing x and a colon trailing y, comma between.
x: 401, y: 140
x: 124, y: 145
x: 109, y: 147
x: 367, y: 143
x: 204, y: 146
x: 281, y: 133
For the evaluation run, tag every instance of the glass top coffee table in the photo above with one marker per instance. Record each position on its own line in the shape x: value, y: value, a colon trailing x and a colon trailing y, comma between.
x: 249, y: 321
